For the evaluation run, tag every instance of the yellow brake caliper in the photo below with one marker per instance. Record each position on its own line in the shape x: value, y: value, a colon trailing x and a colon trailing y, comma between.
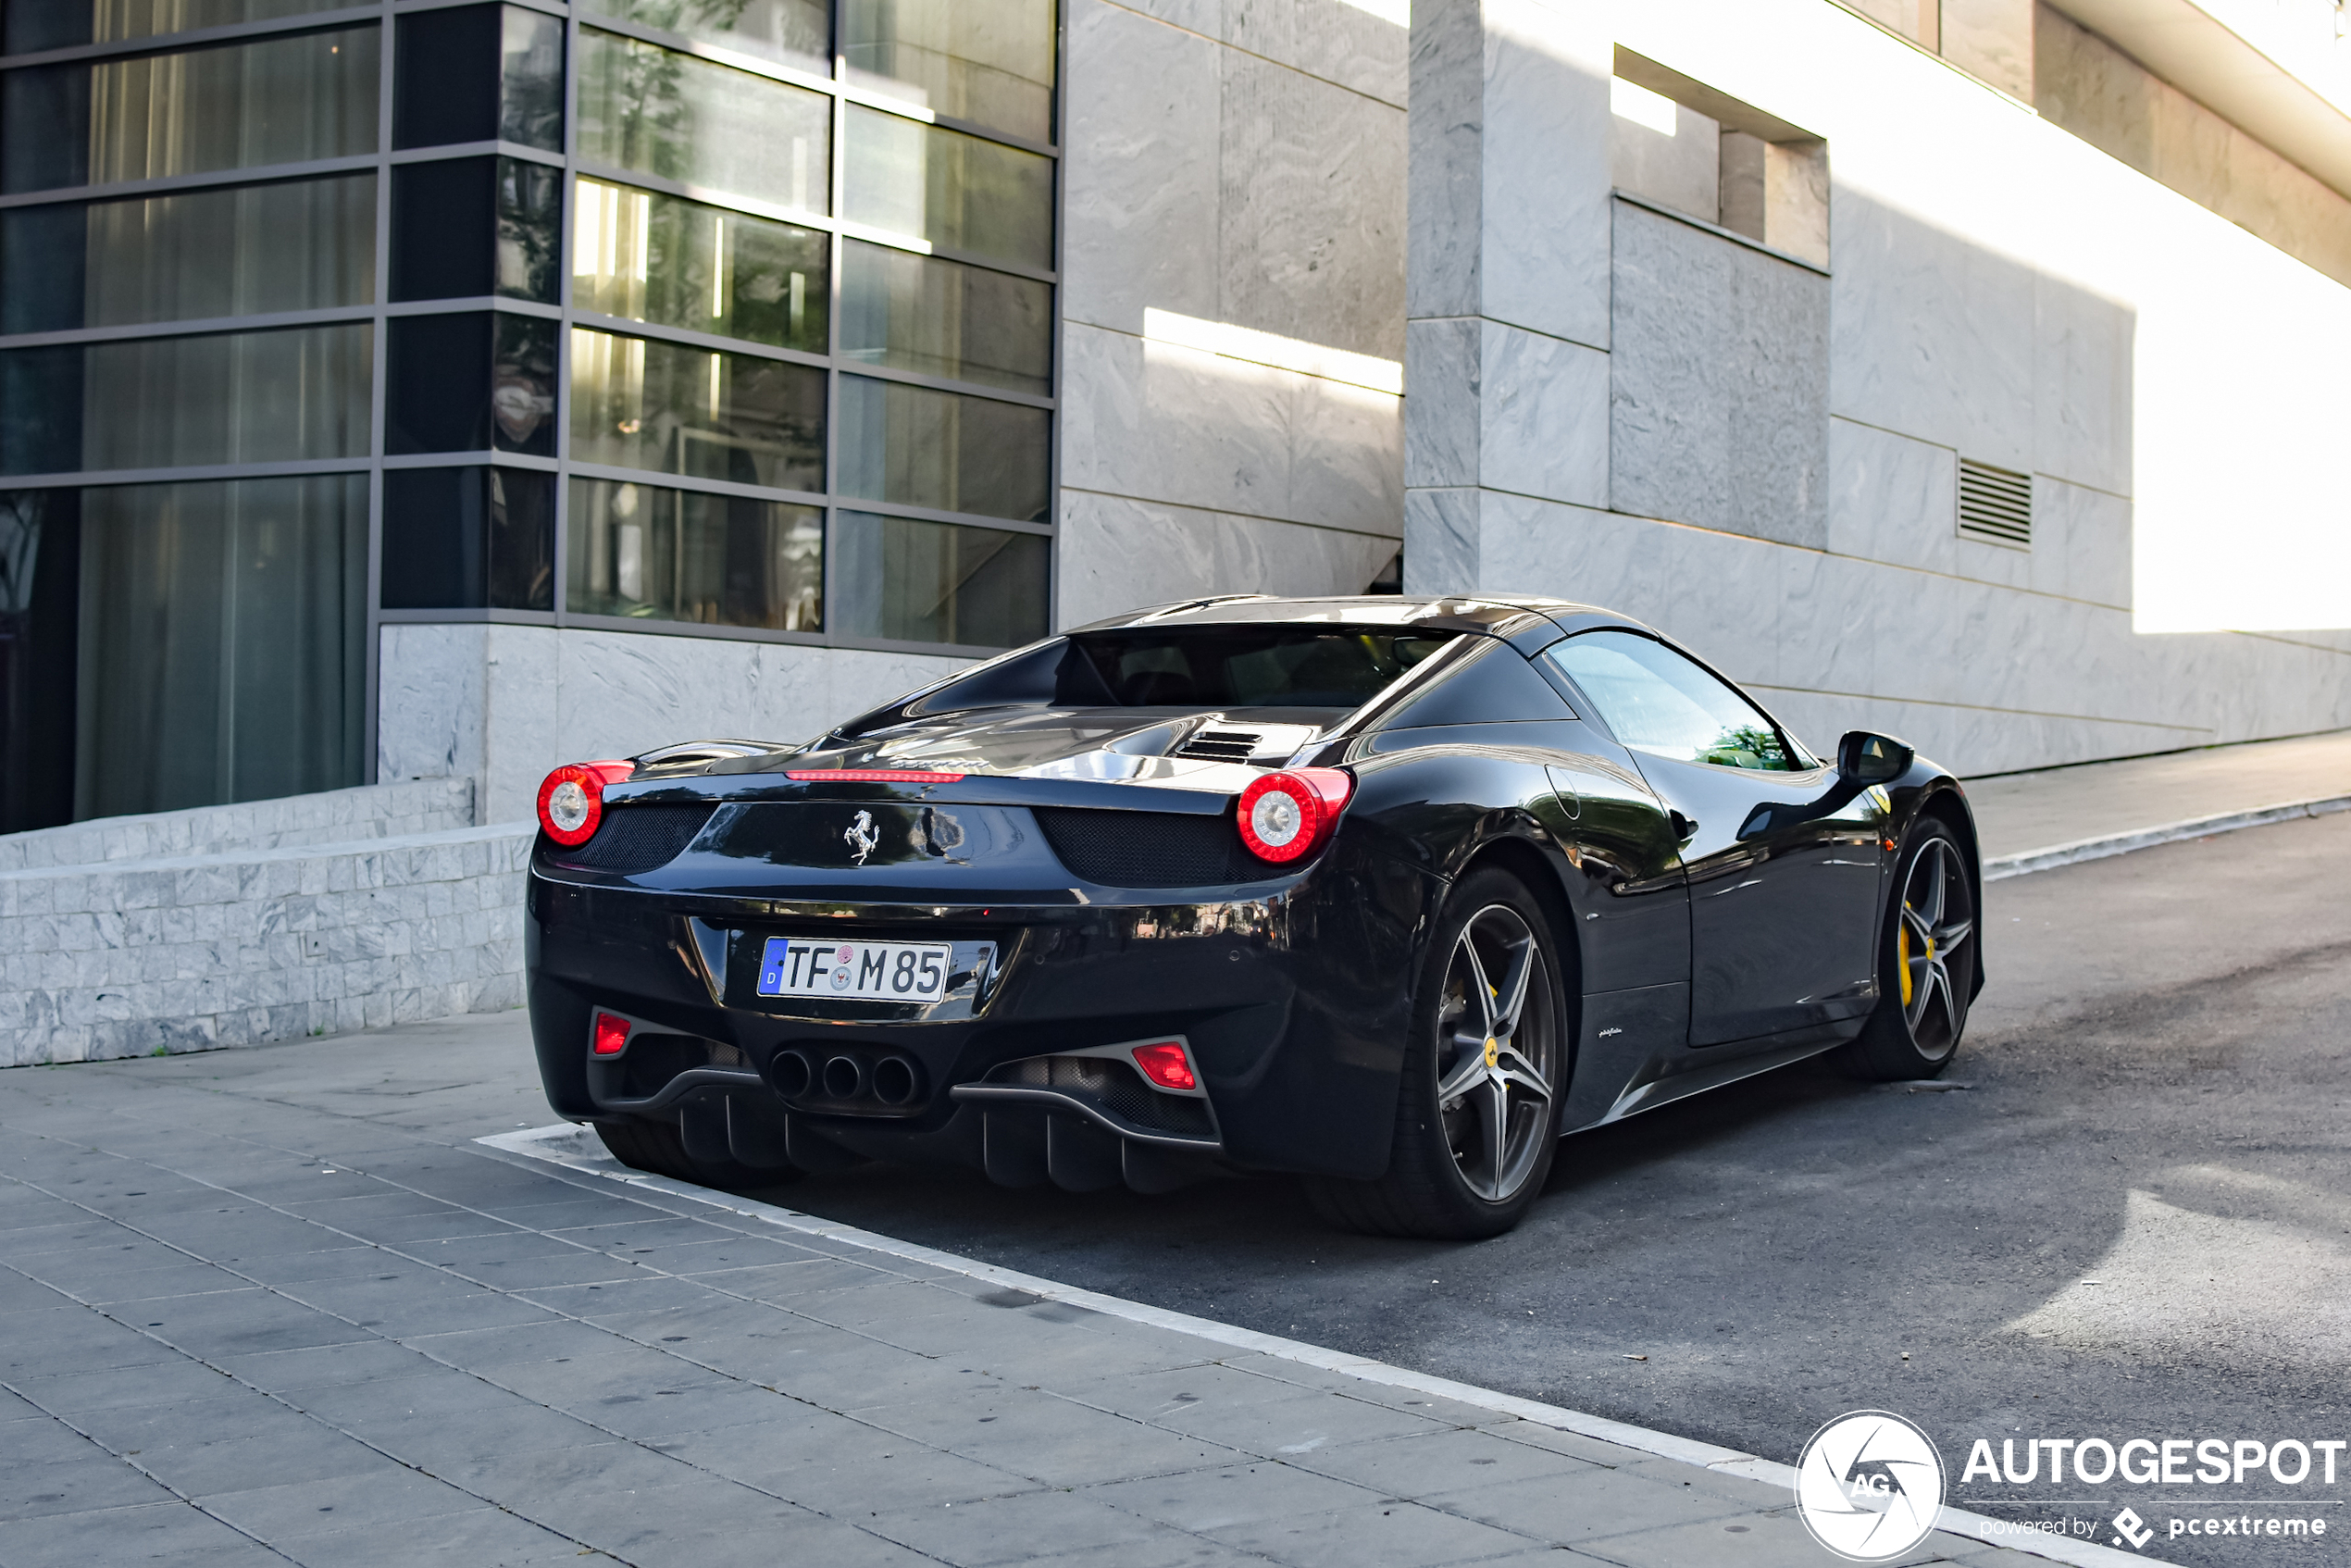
x: 1902, y: 954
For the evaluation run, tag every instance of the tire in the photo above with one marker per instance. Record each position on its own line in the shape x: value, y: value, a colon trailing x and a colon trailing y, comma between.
x: 1922, y: 996
x: 1467, y: 1163
x: 657, y: 1149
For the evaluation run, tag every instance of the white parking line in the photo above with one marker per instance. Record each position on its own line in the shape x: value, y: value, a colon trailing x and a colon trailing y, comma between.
x: 575, y: 1148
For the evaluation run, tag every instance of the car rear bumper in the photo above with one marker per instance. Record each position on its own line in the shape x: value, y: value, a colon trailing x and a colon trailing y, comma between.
x: 1291, y: 1004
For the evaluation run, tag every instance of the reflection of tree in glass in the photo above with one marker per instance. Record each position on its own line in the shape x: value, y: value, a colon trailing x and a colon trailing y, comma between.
x: 1748, y: 745
x: 532, y: 93
x: 530, y: 204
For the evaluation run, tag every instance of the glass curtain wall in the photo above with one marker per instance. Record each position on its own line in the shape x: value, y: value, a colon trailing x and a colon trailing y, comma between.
x: 714, y: 317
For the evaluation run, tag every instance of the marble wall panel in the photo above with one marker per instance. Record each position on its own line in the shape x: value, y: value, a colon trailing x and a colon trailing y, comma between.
x: 1445, y: 137
x: 1338, y: 42
x: 2081, y: 394
x: 1543, y: 415
x: 1157, y: 422
x: 1983, y: 676
x: 430, y: 694
x: 1545, y: 219
x: 1441, y: 542
x: 524, y: 734
x: 1118, y: 554
x: 517, y: 701
x: 2081, y: 544
x: 1720, y: 383
x: 1347, y: 456
x: 1442, y: 393
x: 1934, y: 334
x: 1891, y: 498
x: 1141, y: 213
x: 1682, y: 170
x: 1310, y: 209
x: 1204, y: 17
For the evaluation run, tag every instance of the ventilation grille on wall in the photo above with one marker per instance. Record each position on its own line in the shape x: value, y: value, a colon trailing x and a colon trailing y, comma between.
x: 1996, y: 505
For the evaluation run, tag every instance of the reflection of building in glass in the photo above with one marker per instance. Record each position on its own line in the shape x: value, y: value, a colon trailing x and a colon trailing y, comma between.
x: 513, y: 318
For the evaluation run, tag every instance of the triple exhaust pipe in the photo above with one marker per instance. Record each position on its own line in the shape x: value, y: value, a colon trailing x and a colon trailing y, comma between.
x: 892, y: 1080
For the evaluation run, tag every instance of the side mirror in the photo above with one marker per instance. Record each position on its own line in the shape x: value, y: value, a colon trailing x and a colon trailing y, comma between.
x: 1866, y: 759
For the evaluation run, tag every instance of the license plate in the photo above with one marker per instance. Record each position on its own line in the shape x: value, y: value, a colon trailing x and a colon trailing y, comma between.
x: 853, y: 970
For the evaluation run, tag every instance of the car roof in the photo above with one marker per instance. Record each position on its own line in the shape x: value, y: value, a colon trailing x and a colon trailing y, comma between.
x: 1528, y: 620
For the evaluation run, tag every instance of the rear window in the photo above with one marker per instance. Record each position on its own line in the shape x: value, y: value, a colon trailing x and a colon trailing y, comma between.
x: 1255, y: 666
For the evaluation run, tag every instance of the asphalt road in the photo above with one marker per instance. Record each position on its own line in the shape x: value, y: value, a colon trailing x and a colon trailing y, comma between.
x: 2158, y: 1088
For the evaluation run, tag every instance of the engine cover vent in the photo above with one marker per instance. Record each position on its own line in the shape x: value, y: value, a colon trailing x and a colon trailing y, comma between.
x: 1220, y: 745
x: 1996, y: 505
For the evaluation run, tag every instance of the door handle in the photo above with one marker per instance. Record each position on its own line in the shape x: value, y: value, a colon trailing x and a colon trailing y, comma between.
x: 1685, y: 828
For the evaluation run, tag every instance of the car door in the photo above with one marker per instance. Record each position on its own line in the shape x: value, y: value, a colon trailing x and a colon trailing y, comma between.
x: 1782, y: 854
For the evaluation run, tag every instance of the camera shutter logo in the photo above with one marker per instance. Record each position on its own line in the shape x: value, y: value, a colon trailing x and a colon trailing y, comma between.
x: 1868, y: 1485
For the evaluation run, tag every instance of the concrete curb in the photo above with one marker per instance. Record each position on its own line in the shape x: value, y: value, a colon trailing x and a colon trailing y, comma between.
x: 2148, y: 838
x: 573, y: 1149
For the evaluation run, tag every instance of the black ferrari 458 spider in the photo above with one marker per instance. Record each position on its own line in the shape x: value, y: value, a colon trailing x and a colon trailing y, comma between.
x: 1387, y: 892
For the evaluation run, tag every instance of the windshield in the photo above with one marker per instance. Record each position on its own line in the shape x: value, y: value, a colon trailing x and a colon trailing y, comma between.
x: 1255, y: 666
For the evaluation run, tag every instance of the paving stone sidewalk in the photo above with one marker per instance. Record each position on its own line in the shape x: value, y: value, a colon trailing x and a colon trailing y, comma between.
x: 274, y: 1305
x: 2019, y: 813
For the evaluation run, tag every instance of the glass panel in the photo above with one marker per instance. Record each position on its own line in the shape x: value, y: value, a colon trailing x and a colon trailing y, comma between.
x: 40, y: 597
x: 914, y: 581
x: 1263, y: 666
x: 283, y: 100
x: 1657, y: 700
x: 701, y: 124
x: 478, y: 73
x: 678, y: 555
x: 791, y: 33
x: 530, y: 102
x: 522, y: 385
x: 961, y: 192
x: 468, y: 537
x: 229, y: 397
x: 304, y: 244
x: 943, y: 450
x: 943, y: 318
x: 41, y: 260
x: 60, y: 24
x: 443, y: 218
x: 641, y: 404
x: 221, y: 642
x: 652, y: 257
x: 988, y: 61
x: 530, y: 226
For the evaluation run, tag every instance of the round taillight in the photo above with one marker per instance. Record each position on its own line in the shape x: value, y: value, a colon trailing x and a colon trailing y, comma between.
x: 571, y: 799
x: 1288, y: 815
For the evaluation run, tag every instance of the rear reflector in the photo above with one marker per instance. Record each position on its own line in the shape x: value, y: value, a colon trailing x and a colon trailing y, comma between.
x: 612, y: 1034
x: 870, y: 776
x: 1165, y: 1065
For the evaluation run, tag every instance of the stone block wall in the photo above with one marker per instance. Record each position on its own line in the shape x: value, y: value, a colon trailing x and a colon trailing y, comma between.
x: 375, y: 811
x: 132, y: 958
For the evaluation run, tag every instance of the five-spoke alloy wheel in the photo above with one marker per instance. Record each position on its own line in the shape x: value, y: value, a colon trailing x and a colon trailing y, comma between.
x: 1478, y: 1109
x: 1926, y: 964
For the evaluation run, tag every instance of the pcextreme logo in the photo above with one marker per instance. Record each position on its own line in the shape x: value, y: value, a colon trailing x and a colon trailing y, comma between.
x: 1868, y: 1485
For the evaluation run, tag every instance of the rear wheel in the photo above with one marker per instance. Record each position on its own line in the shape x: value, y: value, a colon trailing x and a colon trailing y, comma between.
x: 658, y: 1149
x: 1477, y: 1114
x: 1926, y: 965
